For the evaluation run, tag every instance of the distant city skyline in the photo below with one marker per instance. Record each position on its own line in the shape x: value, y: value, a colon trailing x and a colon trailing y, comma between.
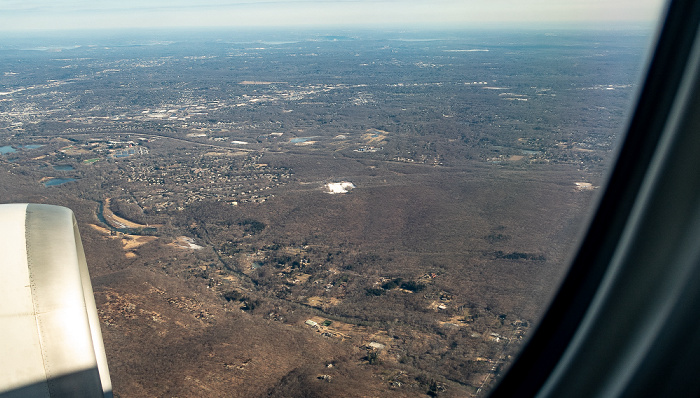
x: 23, y: 15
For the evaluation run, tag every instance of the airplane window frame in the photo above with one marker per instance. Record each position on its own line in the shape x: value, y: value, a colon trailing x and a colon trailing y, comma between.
x: 663, y: 103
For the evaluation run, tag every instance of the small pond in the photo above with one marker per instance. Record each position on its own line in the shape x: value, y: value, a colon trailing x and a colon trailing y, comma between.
x: 301, y: 139
x: 57, y: 181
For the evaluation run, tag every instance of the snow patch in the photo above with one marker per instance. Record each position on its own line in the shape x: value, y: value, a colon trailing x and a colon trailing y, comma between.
x: 584, y: 186
x: 340, y: 187
x: 185, y: 242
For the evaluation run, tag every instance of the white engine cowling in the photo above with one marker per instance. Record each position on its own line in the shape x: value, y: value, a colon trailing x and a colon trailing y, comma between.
x: 50, y: 339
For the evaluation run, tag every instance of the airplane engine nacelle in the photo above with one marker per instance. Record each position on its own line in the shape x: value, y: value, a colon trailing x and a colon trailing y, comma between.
x: 50, y: 339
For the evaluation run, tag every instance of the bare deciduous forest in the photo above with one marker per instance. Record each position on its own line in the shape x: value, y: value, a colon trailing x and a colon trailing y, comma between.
x: 373, y: 214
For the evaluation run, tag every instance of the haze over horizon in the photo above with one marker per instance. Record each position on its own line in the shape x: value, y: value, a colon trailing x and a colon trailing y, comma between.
x: 22, y: 16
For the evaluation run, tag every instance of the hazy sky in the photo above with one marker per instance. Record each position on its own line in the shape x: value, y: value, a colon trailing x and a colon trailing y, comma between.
x: 91, y: 14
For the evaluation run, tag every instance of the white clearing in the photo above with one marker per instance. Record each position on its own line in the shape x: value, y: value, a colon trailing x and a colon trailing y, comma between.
x: 584, y: 186
x: 340, y: 187
x: 185, y: 242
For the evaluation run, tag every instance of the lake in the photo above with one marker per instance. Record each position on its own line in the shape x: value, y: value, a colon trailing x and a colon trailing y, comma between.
x: 4, y: 150
x: 57, y: 181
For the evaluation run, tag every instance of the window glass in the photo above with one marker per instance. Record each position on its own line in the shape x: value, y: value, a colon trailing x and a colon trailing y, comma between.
x: 318, y: 198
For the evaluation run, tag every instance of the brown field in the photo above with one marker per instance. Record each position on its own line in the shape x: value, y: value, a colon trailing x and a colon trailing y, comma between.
x: 133, y: 241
